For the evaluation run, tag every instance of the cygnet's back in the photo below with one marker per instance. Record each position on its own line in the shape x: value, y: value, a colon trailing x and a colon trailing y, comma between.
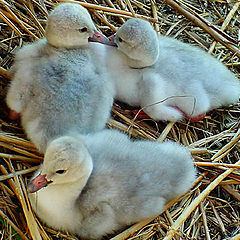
x: 177, y: 69
x: 57, y: 83
x: 107, y: 188
x: 138, y: 169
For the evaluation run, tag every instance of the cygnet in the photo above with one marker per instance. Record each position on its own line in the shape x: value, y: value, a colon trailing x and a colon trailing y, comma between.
x: 91, y: 190
x: 58, y: 83
x: 186, y: 81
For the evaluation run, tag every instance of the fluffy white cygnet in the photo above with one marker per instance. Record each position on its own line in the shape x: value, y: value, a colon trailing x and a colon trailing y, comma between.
x: 153, y: 68
x: 58, y: 83
x: 96, y: 184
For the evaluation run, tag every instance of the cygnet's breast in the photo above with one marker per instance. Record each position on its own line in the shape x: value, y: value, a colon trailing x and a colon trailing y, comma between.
x: 99, y: 52
x: 48, y: 204
x: 125, y: 79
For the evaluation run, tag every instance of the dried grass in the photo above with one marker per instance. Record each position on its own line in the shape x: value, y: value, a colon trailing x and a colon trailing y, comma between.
x: 211, y: 209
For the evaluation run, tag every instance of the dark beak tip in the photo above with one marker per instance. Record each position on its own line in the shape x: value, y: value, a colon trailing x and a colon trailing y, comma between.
x: 112, y: 43
x: 31, y: 188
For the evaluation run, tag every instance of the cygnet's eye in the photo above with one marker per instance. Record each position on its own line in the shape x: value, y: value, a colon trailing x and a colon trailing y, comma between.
x: 61, y: 171
x: 120, y: 39
x: 83, y: 29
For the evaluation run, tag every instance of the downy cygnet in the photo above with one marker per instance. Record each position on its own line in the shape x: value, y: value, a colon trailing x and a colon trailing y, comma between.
x: 92, y: 185
x: 187, y: 81
x: 58, y: 84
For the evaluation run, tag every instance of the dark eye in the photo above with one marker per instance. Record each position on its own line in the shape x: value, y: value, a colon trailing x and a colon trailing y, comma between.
x: 60, y: 171
x: 120, y: 39
x: 83, y: 29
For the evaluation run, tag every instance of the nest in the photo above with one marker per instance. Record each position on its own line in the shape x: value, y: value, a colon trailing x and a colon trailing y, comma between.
x: 210, y: 210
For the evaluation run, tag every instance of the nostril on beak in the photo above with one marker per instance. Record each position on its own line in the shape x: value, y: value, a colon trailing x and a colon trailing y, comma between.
x: 98, y: 37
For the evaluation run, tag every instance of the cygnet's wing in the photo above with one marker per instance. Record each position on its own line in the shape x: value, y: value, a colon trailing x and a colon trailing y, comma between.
x: 196, y: 72
x: 69, y: 93
x: 22, y: 72
x: 131, y: 176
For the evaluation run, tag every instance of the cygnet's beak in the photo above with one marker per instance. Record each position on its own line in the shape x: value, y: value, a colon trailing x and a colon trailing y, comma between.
x: 98, y: 37
x: 13, y: 115
x: 37, y: 183
x: 111, y: 41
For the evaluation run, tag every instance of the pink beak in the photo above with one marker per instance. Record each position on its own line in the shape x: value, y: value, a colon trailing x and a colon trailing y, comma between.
x: 37, y: 183
x: 13, y: 115
x: 111, y: 41
x: 98, y: 37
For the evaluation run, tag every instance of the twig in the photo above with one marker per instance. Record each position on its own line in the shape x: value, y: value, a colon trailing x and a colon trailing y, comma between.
x: 18, y: 20
x: 221, y: 225
x: 133, y: 124
x: 225, y: 23
x: 120, y: 126
x: 204, y: 217
x: 10, y: 181
x: 16, y: 140
x: 21, y: 158
x: 104, y: 20
x: 112, y: 5
x: 227, y: 148
x: 5, y: 217
x: 41, y: 29
x: 10, y: 24
x: 195, y: 151
x: 130, y: 8
x: 25, y: 171
x: 231, y: 191
x: 165, y: 132
x: 211, y: 164
x: 4, y: 73
x: 216, y: 33
x: 108, y: 9
x: 32, y: 225
x: 195, y: 203
x: 19, y: 150
x: 155, y: 15
x: 204, y: 141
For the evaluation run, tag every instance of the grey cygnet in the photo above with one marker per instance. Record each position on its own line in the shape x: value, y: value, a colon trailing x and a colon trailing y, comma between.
x: 151, y: 68
x: 92, y: 185
x: 58, y: 84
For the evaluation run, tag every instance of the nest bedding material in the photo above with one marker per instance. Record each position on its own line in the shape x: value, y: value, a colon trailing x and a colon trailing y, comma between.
x: 211, y: 209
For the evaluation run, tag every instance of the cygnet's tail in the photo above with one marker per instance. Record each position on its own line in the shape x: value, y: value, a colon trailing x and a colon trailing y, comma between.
x: 183, y: 170
x: 227, y: 93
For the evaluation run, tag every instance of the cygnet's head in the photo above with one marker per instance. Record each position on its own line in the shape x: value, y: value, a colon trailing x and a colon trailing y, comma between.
x: 137, y: 39
x: 70, y: 26
x: 66, y: 161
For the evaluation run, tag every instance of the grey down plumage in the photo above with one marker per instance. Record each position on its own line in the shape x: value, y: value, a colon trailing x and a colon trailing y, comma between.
x: 57, y: 83
x: 101, y: 182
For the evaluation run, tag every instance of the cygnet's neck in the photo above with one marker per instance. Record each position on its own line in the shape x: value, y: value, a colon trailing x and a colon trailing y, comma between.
x: 144, y: 59
x: 56, y: 205
x: 62, y: 46
x: 69, y: 192
x: 73, y: 189
x: 133, y: 63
